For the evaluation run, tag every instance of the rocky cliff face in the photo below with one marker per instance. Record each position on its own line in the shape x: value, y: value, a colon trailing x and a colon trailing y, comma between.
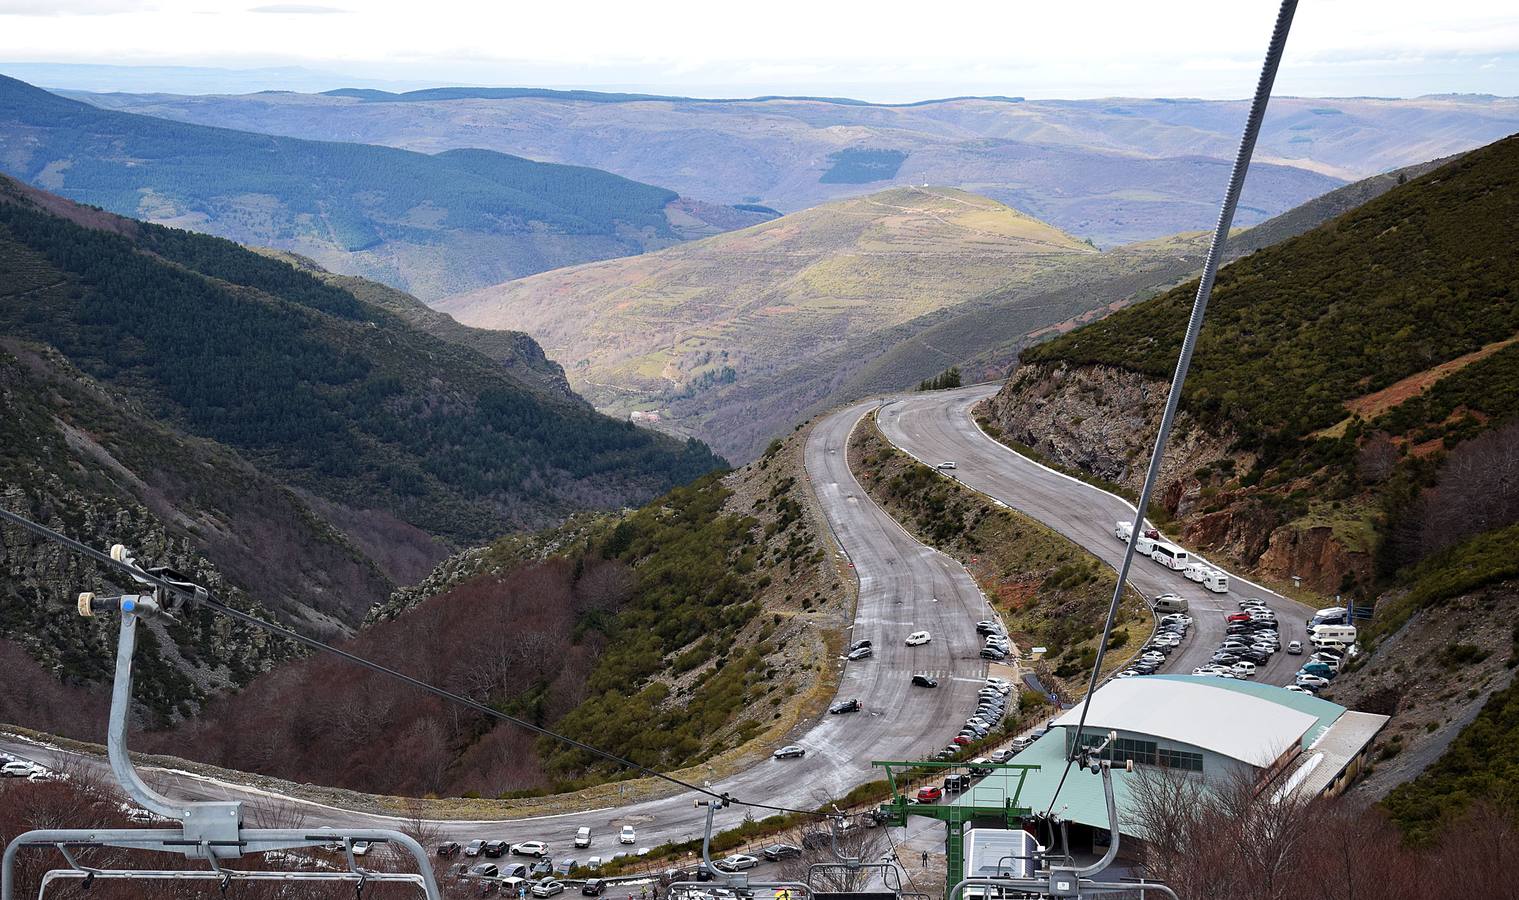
x: 1102, y: 420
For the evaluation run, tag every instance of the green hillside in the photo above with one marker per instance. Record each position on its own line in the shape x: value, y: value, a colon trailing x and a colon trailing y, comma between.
x: 1424, y: 274
x: 430, y: 221
x: 315, y: 385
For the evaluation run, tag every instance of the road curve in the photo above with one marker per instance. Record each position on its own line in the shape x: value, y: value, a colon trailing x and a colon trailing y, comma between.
x: 904, y: 587
x: 938, y: 426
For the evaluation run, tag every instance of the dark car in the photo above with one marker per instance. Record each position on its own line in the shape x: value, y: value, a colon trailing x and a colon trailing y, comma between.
x: 484, y: 870
x: 859, y: 645
x: 449, y: 849
x: 780, y: 851
x: 993, y: 653
x: 1259, y: 657
x: 956, y: 784
x: 593, y: 887
x: 494, y: 849
x: 861, y: 653
x: 924, y: 681
x: 845, y: 706
x: 542, y: 867
x: 474, y: 848
x: 987, y: 626
x: 813, y: 840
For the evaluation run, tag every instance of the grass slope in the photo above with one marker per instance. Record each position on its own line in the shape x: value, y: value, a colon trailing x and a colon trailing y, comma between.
x: 432, y: 223
x: 640, y: 332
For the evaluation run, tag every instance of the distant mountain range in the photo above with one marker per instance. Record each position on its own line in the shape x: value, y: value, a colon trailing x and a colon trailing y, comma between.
x: 1115, y: 171
x: 429, y: 224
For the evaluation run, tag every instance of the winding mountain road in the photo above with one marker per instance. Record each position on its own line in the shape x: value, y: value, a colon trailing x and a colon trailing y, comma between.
x: 936, y: 427
x: 903, y: 587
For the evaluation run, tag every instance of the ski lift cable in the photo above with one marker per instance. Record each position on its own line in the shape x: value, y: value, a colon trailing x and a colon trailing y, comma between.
x: 1184, y: 360
x: 198, y: 596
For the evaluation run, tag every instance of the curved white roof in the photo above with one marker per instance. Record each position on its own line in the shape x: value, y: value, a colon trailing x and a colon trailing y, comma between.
x: 1242, y: 726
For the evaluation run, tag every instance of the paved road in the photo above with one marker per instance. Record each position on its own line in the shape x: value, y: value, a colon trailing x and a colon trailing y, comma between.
x: 935, y: 427
x: 904, y: 587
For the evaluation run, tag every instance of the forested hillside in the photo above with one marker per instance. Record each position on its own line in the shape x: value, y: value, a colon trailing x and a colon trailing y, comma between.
x: 1350, y: 419
x: 431, y: 224
x: 671, y: 635
x: 244, y: 420
x: 1336, y: 389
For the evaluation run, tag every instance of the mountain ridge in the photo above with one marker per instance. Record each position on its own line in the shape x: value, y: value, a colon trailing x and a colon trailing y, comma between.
x: 431, y: 224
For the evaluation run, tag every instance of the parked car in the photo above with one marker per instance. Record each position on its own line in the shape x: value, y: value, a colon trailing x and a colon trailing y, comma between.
x: 738, y: 862
x: 494, y: 849
x: 1244, y: 669
x: 860, y: 645
x: 583, y: 836
x: 780, y: 851
x: 862, y: 653
x: 962, y: 739
x: 790, y: 751
x: 924, y: 681
x: 541, y: 868
x: 845, y: 706
x: 565, y: 865
x: 593, y: 887
x: 21, y: 768
x: 994, y: 654
x: 449, y: 849
x: 628, y: 836
x: 484, y: 870
x: 593, y: 862
x: 1314, y: 683
x: 947, y: 464
x: 918, y: 638
x: 930, y: 794
x: 474, y: 847
x: 548, y: 887
x: 514, y: 870
x: 362, y: 848
x: 987, y: 626
x: 530, y: 848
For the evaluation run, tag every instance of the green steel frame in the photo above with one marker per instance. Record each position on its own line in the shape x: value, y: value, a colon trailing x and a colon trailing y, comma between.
x: 954, y: 816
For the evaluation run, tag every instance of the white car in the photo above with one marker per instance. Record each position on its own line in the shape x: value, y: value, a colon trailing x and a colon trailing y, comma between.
x: 21, y: 768
x: 530, y: 848
x: 918, y: 638
x: 738, y: 862
x: 1001, y: 683
x: 627, y: 835
x: 947, y: 464
x: 361, y: 848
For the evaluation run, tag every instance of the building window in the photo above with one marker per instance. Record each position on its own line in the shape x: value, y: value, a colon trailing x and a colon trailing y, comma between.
x: 1142, y: 752
x: 1123, y: 749
x: 1180, y: 759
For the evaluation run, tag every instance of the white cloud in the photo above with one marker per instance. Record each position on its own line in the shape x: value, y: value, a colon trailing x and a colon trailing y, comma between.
x: 296, y: 9
x: 892, y: 49
x: 69, y: 7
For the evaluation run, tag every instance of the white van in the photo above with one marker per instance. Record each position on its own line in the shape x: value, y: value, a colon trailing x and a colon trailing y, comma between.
x: 1217, y: 582
x: 1144, y: 547
x: 1170, y: 556
x: 1170, y: 603
x: 1197, y: 572
x: 583, y: 836
x: 1123, y: 531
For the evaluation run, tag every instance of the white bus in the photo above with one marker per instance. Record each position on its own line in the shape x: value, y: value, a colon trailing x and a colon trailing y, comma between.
x: 1170, y: 556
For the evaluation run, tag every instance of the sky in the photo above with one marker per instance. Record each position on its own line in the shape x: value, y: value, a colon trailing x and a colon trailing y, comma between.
x: 886, y: 50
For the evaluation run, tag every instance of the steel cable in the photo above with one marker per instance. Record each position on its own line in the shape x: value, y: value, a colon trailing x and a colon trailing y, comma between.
x: 1184, y: 360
